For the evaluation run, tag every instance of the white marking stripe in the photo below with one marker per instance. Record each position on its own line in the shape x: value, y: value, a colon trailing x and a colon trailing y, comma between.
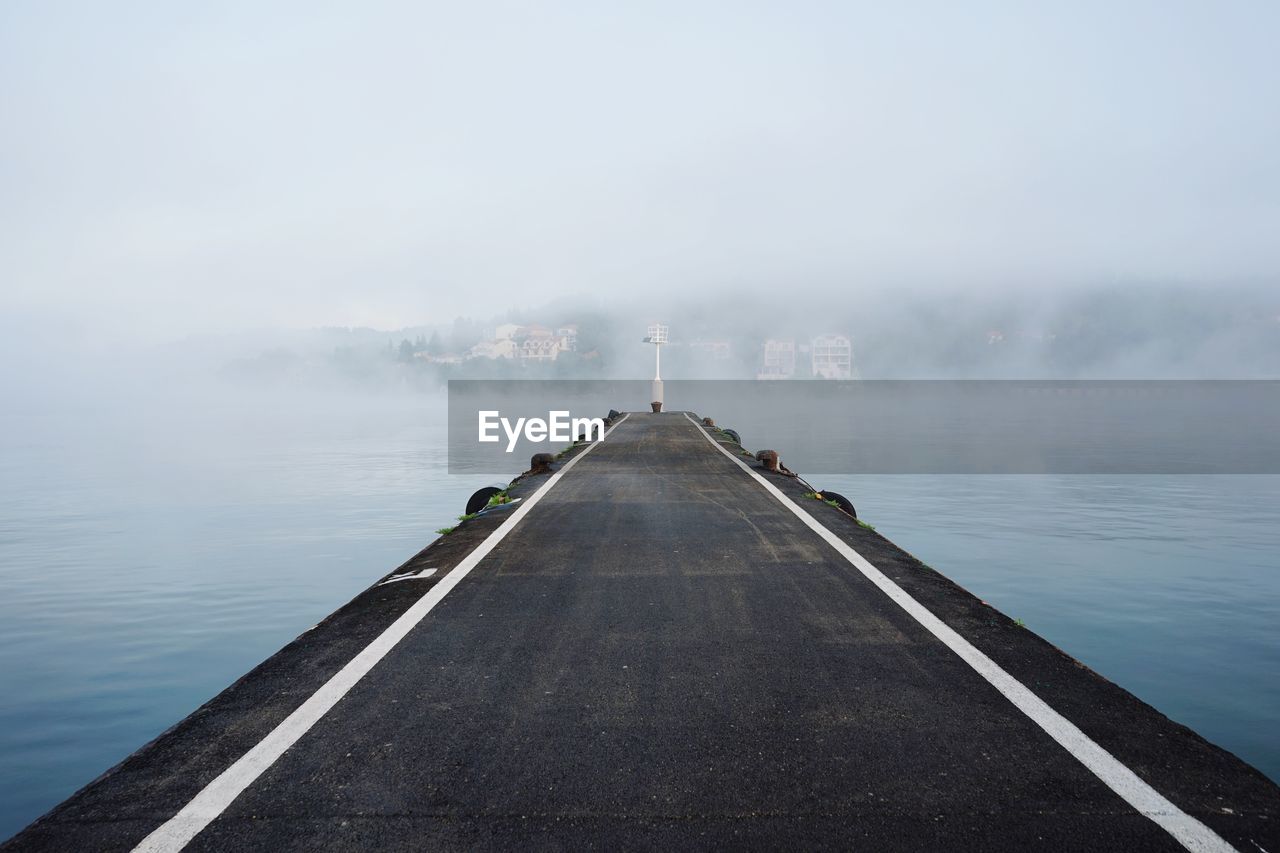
x: 177, y: 831
x: 1191, y: 833
x: 409, y: 576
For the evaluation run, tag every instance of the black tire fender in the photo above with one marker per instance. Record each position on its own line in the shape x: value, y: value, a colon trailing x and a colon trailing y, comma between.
x: 480, y: 499
x: 845, y: 503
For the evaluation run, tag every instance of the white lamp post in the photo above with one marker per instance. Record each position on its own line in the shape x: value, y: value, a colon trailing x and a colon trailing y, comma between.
x: 657, y: 336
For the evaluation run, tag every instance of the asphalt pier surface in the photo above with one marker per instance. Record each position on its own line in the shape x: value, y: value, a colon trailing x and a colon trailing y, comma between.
x: 661, y: 651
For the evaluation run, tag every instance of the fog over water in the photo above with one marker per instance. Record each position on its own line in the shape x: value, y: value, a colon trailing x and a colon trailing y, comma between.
x: 242, y: 250
x: 169, y: 169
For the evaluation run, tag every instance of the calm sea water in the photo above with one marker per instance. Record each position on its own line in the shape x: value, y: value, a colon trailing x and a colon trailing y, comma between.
x: 151, y: 554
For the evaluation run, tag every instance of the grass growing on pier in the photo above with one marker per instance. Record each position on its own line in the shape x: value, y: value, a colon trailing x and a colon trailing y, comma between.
x: 1019, y: 623
x: 445, y: 531
x: 467, y: 516
x: 862, y: 523
x: 500, y: 498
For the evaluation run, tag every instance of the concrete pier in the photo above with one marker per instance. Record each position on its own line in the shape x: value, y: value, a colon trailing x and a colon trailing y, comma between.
x: 663, y: 644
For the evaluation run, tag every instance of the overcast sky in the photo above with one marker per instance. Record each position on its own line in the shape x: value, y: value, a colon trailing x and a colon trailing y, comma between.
x: 203, y: 166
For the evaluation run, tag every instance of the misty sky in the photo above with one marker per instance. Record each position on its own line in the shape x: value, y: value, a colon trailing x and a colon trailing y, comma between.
x: 199, y: 167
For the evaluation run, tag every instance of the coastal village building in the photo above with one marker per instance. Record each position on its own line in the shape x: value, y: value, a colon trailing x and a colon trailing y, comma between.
x: 496, y: 348
x: 532, y: 343
x: 779, y: 360
x: 540, y: 348
x: 443, y: 358
x: 832, y: 357
x: 828, y: 357
x: 568, y: 337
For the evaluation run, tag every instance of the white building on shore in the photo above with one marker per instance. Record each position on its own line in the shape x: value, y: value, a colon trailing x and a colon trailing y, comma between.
x: 779, y: 360
x: 496, y: 348
x: 832, y: 357
x: 568, y: 336
x: 532, y: 343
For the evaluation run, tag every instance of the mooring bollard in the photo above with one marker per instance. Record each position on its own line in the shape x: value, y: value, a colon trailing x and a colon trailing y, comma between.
x: 708, y: 422
x: 769, y: 459
x: 657, y: 405
x: 541, y: 463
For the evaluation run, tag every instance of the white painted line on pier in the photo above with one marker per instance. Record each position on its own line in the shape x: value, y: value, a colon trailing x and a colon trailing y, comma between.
x: 177, y: 831
x: 410, y: 576
x: 1191, y: 833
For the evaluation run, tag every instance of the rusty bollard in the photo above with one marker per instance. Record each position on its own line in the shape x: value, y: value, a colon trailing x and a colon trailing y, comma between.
x: 769, y: 459
x: 657, y: 406
x: 541, y: 463
x: 708, y: 422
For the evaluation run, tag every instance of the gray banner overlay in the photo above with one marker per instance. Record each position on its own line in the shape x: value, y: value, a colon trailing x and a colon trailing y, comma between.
x: 917, y: 427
